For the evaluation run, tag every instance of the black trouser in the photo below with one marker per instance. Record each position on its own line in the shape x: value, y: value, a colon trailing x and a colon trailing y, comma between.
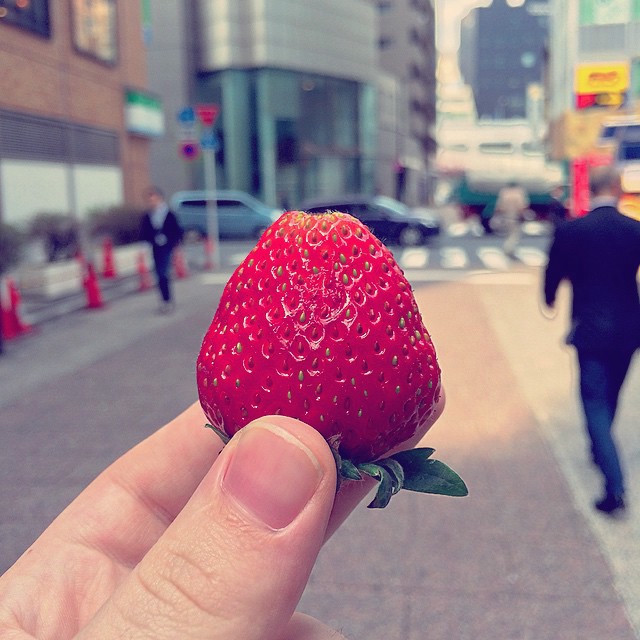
x: 601, y: 378
x: 162, y: 262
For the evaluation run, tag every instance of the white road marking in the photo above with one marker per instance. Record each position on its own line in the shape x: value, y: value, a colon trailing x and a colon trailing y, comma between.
x: 215, y: 277
x: 453, y: 258
x: 493, y: 258
x: 458, y: 229
x: 531, y: 256
x: 236, y: 258
x: 535, y: 228
x: 414, y: 258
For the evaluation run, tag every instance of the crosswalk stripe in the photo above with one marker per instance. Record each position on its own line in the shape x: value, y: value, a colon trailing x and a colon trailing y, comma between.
x: 414, y: 258
x: 531, y: 256
x: 453, y: 258
x: 493, y: 258
x: 458, y: 229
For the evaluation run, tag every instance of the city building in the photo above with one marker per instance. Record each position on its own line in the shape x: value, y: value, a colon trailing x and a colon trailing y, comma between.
x: 75, y: 114
x: 593, y: 73
x: 502, y: 50
x: 294, y: 85
x: 407, y: 54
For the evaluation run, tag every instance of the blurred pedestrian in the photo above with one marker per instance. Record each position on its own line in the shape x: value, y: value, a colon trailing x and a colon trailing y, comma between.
x: 599, y: 254
x: 511, y: 204
x: 486, y: 215
x: 160, y: 228
x: 557, y: 210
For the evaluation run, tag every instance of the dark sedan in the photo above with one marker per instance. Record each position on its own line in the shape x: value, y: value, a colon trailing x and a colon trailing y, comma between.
x: 389, y: 220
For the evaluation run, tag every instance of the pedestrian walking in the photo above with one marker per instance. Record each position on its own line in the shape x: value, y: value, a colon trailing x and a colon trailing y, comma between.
x: 599, y: 254
x: 161, y: 229
x: 511, y: 204
x: 486, y: 215
x: 557, y: 210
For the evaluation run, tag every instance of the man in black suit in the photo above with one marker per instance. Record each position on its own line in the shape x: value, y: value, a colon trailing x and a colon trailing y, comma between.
x: 599, y: 255
x: 160, y: 228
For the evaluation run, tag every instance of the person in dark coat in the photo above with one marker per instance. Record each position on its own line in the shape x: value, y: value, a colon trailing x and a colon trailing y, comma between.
x: 161, y: 229
x: 599, y: 254
x: 557, y: 210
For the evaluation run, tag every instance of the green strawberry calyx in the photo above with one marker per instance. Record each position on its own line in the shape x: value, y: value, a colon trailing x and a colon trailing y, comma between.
x: 413, y: 470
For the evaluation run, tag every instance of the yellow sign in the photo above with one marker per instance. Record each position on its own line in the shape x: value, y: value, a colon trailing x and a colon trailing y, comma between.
x: 605, y: 77
x: 629, y: 204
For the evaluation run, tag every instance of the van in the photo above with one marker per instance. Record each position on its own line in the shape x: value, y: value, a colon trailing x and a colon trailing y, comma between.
x: 239, y: 214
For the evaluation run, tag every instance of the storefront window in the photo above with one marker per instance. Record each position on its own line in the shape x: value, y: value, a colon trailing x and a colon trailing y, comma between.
x: 26, y: 14
x: 94, y: 28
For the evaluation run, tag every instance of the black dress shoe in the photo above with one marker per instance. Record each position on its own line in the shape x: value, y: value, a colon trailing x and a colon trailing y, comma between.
x: 610, y: 504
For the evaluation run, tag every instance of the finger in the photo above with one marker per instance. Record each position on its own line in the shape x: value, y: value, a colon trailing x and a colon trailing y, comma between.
x: 125, y: 509
x: 235, y: 561
x: 303, y: 627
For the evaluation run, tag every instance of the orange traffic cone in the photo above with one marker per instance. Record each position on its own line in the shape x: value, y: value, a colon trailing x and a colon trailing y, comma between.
x: 109, y: 266
x: 180, y: 264
x: 92, y: 289
x: 9, y: 329
x: 15, y: 300
x: 7, y: 321
x: 143, y: 273
x: 208, y: 254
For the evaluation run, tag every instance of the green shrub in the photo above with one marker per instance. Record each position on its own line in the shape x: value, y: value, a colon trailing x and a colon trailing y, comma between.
x: 59, y: 233
x: 121, y: 223
x: 11, y: 241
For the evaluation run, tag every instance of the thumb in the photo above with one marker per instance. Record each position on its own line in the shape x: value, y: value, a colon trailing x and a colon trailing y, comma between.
x: 236, y: 560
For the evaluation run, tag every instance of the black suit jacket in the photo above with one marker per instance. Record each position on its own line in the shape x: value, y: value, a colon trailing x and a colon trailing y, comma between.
x: 600, y: 255
x: 166, y: 238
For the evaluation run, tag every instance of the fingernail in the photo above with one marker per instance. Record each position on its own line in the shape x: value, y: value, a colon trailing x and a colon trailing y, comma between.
x: 271, y: 474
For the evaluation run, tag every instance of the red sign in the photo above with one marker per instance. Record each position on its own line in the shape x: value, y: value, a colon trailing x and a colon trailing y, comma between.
x: 587, y: 100
x: 207, y: 113
x: 579, y: 187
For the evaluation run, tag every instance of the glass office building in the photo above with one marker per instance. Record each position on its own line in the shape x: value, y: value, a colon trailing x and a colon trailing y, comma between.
x: 286, y: 135
x: 295, y: 83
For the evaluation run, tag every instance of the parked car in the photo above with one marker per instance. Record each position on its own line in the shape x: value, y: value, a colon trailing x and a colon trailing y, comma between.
x: 389, y: 220
x: 240, y: 215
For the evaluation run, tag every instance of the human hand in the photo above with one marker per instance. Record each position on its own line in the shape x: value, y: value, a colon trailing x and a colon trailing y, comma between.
x: 180, y: 538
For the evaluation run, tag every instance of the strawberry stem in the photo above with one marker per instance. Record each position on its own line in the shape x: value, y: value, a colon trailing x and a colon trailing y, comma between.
x: 413, y: 470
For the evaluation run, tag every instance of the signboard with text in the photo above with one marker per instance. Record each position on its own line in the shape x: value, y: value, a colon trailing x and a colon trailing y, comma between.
x: 602, y: 84
x: 608, y: 11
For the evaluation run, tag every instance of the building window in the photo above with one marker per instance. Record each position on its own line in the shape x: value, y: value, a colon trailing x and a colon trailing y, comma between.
x: 94, y: 29
x: 26, y: 14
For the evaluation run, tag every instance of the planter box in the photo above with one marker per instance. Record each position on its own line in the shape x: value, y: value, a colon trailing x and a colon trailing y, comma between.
x: 125, y: 259
x: 59, y: 279
x: 53, y: 280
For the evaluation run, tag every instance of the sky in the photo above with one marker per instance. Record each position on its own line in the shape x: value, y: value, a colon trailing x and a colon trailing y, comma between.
x: 448, y: 16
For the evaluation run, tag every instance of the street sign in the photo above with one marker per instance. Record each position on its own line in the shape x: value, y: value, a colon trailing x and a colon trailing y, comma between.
x: 210, y: 140
x: 189, y: 149
x: 186, y: 115
x: 207, y: 113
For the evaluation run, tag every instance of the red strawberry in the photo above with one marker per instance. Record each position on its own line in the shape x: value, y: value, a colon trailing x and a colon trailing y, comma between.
x: 319, y: 323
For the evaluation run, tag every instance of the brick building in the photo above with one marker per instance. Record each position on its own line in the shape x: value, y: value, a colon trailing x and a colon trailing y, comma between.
x: 75, y: 117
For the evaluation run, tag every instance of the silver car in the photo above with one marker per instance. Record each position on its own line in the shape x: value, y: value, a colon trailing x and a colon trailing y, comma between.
x: 239, y: 214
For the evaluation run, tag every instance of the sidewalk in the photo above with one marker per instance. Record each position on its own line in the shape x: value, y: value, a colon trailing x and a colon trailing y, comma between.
x: 524, y: 556
x: 39, y: 310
